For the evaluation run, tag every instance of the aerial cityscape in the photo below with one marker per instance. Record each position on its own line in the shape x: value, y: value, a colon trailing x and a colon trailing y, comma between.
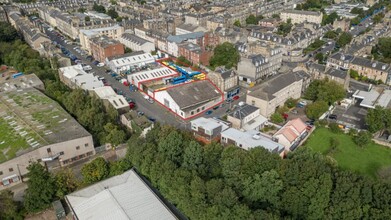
x: 184, y: 109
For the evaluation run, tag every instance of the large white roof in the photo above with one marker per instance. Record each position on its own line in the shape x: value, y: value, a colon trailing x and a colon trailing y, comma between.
x: 120, y: 197
x: 133, y: 60
x: 107, y: 92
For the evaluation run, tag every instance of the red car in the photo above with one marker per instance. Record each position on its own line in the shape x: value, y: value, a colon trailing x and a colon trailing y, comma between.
x: 132, y: 105
x: 235, y: 97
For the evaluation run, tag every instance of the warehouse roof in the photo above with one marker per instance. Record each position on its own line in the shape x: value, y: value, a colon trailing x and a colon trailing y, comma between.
x: 125, y: 196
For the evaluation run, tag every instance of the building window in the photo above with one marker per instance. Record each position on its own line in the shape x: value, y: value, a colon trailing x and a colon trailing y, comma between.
x: 192, y: 112
x: 77, y: 147
x: 49, y: 150
x: 1, y: 172
x: 195, y: 128
x: 240, y: 145
x: 86, y: 145
x: 203, y: 108
x: 252, y: 102
x: 89, y: 153
x: 11, y: 169
x: 62, y: 153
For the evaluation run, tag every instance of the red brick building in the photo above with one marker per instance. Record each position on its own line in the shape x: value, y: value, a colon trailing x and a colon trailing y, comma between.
x: 194, y: 53
x: 103, y: 46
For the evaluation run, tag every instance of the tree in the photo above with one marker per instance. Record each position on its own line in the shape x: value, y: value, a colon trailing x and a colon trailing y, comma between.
x: 290, y: 103
x: 362, y: 139
x: 383, y: 47
x: 225, y: 54
x: 113, y: 2
x: 331, y: 34
x: 329, y: 19
x: 7, y: 32
x: 172, y: 147
x: 378, y: 18
x: 8, y: 207
x: 325, y: 90
x: 319, y: 57
x: 353, y: 74
x: 40, y: 188
x: 275, y: 16
x: 87, y: 18
x: 344, y: 39
x: 277, y: 118
x: 251, y: 19
x: 285, y: 28
x: 81, y: 10
x: 99, y: 8
x: 95, y: 171
x: 316, y: 109
x: 237, y: 23
x: 112, y: 13
x: 378, y: 119
x: 192, y: 156
x: 65, y: 182
x: 264, y: 188
x: 115, y: 136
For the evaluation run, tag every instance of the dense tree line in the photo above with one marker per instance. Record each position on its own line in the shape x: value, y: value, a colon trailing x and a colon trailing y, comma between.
x: 362, y: 14
x: 213, y: 182
x: 88, y: 110
x: 382, y: 50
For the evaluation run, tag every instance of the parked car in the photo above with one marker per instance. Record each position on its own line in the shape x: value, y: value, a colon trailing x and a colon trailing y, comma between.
x: 132, y: 105
x: 100, y: 65
x: 151, y: 119
x: 95, y: 62
x: 140, y: 113
x: 332, y: 117
x: 294, y: 111
x: 216, y: 107
x: 235, y: 97
x: 208, y: 112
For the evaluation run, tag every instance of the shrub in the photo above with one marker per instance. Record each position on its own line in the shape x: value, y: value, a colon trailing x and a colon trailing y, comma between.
x: 277, y: 118
x: 334, y: 128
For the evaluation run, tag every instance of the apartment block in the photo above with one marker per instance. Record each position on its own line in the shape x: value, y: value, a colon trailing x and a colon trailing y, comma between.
x: 103, y: 47
x: 298, y: 16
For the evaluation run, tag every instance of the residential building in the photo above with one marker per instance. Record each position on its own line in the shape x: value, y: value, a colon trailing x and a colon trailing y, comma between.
x: 128, y: 61
x: 298, y: 16
x: 343, y: 24
x: 75, y: 77
x: 257, y: 67
x: 226, y: 81
x: 291, y: 134
x: 190, y: 99
x: 207, y: 129
x: 3, y: 15
x: 37, y: 129
x: 110, y: 98
x: 371, y: 69
x: 114, y: 32
x: 339, y: 76
x: 246, y: 117
x: 125, y: 196
x: 270, y: 22
x: 194, y: 53
x: 103, y: 47
x: 250, y: 139
x: 339, y: 61
x: 188, y: 28
x: 273, y: 93
x: 173, y: 41
x: 136, y: 43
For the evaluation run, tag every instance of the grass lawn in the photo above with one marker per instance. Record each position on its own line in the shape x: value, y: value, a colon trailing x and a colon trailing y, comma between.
x: 349, y: 156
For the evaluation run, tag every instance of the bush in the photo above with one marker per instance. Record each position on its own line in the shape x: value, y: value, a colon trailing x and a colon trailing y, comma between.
x: 334, y: 128
x: 290, y: 103
x: 362, y: 139
x: 277, y: 118
x: 352, y: 132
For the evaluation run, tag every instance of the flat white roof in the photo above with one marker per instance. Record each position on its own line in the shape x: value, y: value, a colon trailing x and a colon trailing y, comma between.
x: 373, y: 98
x: 134, y: 60
x: 151, y: 74
x: 208, y: 123
x: 72, y: 71
x: 254, y: 123
x: 107, y: 93
x: 125, y: 196
x: 250, y: 139
x: 87, y: 81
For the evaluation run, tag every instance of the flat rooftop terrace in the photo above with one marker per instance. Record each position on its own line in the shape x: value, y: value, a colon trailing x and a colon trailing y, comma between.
x: 29, y: 120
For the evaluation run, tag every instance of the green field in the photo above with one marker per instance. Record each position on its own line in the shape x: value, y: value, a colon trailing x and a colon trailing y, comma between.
x: 367, y: 160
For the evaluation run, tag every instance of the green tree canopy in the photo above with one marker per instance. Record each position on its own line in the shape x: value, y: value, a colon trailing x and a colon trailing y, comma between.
x: 325, y: 90
x: 225, y: 54
x: 319, y: 57
x: 112, y: 13
x: 7, y: 32
x: 329, y: 19
x: 40, y: 188
x: 95, y: 171
x: 99, y: 8
x: 344, y: 39
x: 65, y: 182
x: 8, y: 207
x: 316, y: 109
x: 237, y: 23
x: 331, y: 34
x: 251, y: 19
